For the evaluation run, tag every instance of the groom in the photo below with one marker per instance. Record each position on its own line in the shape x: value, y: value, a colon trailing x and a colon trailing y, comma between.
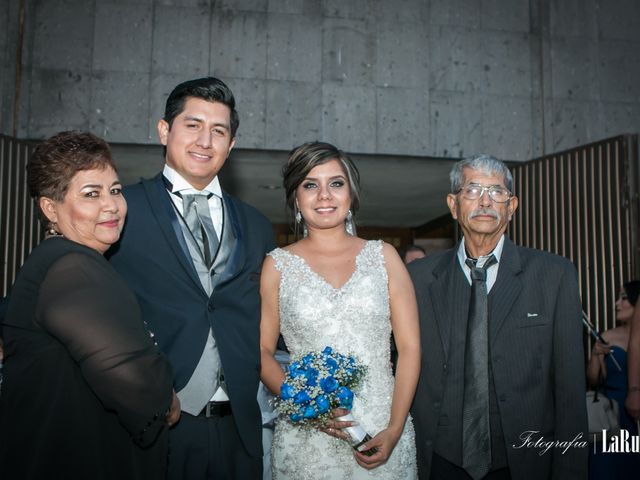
x: 193, y: 255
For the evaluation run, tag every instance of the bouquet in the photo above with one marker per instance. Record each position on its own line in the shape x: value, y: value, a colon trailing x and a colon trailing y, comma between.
x: 317, y: 383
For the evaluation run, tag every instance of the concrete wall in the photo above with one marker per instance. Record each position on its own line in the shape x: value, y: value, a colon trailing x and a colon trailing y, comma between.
x: 446, y: 78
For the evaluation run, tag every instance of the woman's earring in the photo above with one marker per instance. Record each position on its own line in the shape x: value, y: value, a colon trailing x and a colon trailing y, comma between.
x: 300, y: 221
x: 350, y: 225
x: 52, y: 230
x: 298, y: 215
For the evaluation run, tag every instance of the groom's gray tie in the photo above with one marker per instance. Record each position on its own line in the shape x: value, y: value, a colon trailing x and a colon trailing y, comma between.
x: 198, y: 219
x: 205, y: 379
x: 476, y: 434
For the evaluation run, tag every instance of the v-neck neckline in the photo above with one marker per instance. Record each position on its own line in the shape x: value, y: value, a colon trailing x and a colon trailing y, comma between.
x: 323, y: 279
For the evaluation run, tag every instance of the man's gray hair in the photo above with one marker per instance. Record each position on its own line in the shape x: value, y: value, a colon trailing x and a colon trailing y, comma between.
x: 485, y: 164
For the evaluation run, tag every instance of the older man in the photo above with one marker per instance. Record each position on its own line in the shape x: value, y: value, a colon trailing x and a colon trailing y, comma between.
x: 501, y: 391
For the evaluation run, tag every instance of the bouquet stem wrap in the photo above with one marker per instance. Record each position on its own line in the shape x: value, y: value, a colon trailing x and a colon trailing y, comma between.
x: 356, y: 432
x: 358, y: 435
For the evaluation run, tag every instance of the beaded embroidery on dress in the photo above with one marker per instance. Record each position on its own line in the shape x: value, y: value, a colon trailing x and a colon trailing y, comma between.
x: 353, y: 319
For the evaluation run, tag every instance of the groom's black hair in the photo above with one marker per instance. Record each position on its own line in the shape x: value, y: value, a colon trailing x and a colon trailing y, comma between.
x: 210, y: 89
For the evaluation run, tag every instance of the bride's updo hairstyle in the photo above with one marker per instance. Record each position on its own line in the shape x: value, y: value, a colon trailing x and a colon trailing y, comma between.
x: 305, y: 158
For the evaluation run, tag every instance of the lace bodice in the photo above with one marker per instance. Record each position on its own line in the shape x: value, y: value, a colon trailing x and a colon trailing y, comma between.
x: 353, y: 319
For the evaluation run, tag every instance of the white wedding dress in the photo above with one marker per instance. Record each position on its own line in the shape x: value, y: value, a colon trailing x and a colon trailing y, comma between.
x: 353, y: 319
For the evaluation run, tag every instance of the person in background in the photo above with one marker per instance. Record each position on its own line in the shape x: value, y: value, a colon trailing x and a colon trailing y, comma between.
x: 632, y: 402
x: 86, y: 392
x: 607, y: 371
x: 412, y: 252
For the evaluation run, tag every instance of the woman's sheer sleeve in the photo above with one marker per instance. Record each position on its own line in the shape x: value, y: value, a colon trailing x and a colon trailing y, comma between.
x: 88, y: 308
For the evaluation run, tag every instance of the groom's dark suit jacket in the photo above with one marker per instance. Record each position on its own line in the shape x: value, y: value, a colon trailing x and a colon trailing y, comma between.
x: 536, y: 355
x: 154, y: 259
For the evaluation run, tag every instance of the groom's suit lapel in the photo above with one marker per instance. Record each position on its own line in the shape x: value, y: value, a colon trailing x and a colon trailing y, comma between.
x: 236, y: 222
x: 169, y: 224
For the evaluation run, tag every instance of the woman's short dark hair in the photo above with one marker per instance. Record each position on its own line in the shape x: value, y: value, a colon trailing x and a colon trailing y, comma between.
x: 632, y: 289
x: 55, y: 161
x: 305, y: 158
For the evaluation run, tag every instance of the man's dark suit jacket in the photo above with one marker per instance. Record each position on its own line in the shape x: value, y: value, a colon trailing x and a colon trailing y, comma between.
x: 536, y: 355
x: 153, y: 257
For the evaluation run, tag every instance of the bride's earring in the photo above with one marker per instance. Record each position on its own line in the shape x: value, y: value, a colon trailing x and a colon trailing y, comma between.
x: 300, y: 221
x: 349, y: 224
x: 296, y: 208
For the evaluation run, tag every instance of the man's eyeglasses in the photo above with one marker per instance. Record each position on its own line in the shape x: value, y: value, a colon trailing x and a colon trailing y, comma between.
x: 474, y: 191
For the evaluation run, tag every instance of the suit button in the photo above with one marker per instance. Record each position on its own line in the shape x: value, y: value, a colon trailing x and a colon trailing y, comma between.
x: 428, y: 443
x: 444, y: 366
x: 210, y: 307
x: 436, y: 404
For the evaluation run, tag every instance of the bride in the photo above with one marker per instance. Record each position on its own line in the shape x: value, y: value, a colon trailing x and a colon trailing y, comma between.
x: 334, y: 289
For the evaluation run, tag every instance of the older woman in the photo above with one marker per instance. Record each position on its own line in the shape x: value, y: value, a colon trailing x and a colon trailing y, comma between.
x: 86, y: 392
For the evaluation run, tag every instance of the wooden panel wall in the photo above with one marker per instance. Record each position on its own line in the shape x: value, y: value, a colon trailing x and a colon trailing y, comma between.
x: 20, y: 229
x: 583, y: 204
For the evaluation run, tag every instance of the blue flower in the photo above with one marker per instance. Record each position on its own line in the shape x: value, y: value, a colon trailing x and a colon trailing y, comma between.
x: 316, y: 383
x: 302, y: 397
x: 322, y: 402
x: 312, y: 376
x: 332, y: 365
x: 295, y: 369
x: 345, y: 397
x: 310, y: 412
x: 287, y: 391
x: 328, y: 384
